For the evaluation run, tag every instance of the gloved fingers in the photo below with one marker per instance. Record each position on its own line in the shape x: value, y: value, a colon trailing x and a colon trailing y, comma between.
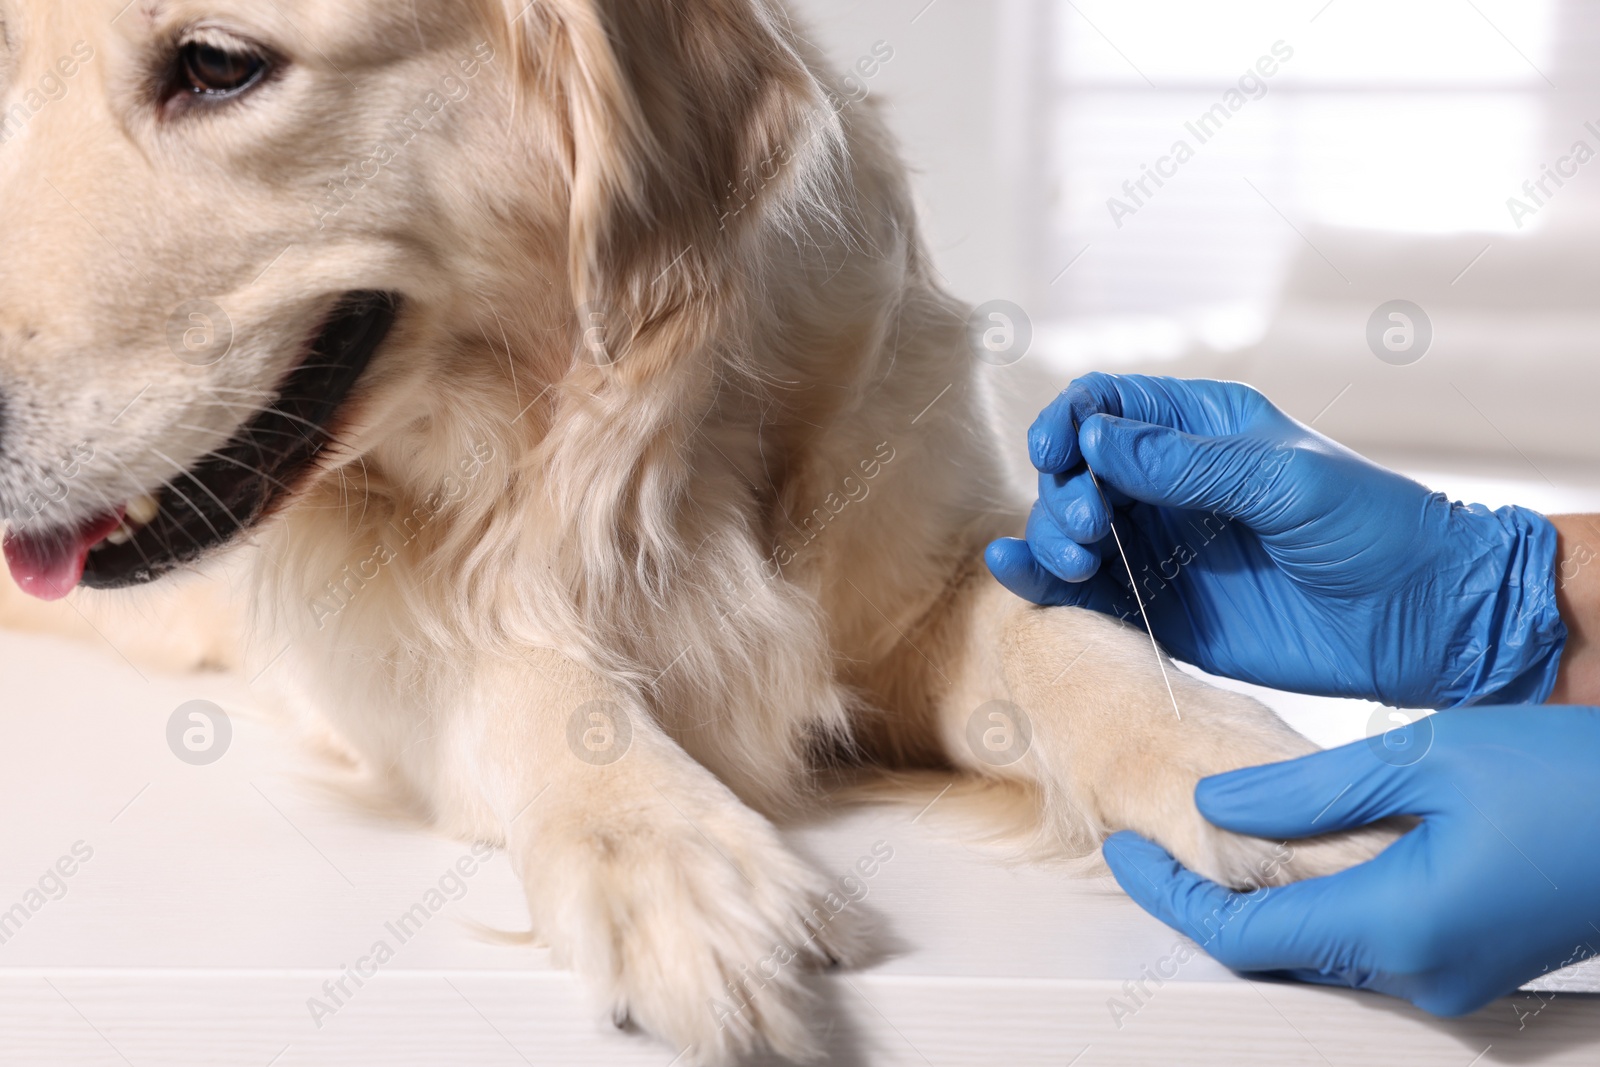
x: 1058, y: 553
x: 1011, y: 562
x: 1053, y: 437
x: 1282, y: 928
x: 1338, y: 789
x: 1234, y: 476
x: 1075, y: 504
x: 1193, y: 406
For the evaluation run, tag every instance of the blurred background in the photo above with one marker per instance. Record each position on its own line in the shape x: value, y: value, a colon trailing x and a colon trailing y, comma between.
x: 1303, y: 166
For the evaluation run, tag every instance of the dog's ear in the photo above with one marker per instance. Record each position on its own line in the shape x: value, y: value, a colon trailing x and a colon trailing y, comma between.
x: 694, y: 128
x: 703, y: 160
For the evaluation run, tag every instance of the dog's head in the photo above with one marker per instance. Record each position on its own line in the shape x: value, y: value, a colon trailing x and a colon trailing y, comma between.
x: 246, y: 241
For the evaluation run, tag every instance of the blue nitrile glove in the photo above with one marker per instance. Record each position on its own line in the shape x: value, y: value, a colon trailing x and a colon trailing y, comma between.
x: 1498, y: 883
x: 1267, y: 552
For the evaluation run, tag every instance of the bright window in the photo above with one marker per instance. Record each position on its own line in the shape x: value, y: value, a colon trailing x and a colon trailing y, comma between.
x: 1419, y: 115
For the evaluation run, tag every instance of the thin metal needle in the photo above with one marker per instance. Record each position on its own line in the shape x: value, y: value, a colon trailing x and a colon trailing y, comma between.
x: 1134, y: 583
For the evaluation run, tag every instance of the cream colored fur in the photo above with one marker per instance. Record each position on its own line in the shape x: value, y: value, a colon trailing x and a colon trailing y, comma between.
x: 754, y: 526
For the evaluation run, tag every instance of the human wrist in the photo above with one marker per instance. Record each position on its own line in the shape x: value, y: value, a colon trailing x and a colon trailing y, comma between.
x: 1578, y: 597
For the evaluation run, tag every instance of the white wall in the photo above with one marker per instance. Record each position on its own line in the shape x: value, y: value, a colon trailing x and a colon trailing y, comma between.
x: 942, y: 96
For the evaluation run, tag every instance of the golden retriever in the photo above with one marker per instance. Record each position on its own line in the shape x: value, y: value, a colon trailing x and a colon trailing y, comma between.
x: 570, y: 383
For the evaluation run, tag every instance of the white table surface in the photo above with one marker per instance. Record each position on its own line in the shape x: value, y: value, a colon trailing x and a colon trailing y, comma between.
x: 220, y: 898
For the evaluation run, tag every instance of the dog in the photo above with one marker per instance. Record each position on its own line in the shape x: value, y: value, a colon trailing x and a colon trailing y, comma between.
x: 568, y: 390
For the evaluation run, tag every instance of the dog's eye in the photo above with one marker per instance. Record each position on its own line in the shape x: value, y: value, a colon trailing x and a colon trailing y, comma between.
x: 206, y: 70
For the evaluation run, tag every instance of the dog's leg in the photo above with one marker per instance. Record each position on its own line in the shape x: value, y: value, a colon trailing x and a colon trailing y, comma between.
x: 677, y: 903
x: 1073, y: 702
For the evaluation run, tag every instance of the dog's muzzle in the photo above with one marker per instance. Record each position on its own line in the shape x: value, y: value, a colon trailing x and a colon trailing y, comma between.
x: 231, y: 488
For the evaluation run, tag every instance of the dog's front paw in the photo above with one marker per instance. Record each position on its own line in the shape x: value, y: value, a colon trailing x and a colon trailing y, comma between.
x: 1221, y: 731
x: 1245, y: 862
x: 693, y: 921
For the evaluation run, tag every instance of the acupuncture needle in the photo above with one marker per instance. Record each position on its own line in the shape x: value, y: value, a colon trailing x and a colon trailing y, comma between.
x: 1133, y: 583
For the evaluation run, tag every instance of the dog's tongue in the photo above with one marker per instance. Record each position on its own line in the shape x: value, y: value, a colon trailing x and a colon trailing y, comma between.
x: 50, y: 566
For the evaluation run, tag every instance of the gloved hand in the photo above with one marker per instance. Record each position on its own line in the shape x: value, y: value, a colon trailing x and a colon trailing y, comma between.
x: 1266, y: 552
x: 1498, y: 883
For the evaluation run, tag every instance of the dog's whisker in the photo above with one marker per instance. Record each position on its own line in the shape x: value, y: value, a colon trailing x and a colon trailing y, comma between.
x: 260, y: 472
x: 137, y: 488
x: 217, y: 403
x: 294, y: 435
x: 189, y: 474
x: 159, y: 488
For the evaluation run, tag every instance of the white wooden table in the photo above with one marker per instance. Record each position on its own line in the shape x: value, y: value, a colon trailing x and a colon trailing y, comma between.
x: 218, y: 899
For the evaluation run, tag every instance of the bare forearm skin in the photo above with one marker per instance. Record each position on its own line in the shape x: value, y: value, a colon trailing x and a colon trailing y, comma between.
x: 1578, y: 599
